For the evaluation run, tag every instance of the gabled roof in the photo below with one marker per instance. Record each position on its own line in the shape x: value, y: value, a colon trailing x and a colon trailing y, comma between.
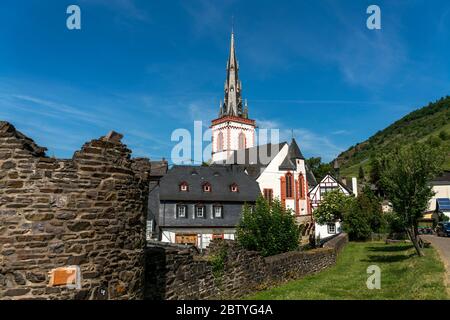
x: 220, y: 177
x: 293, y: 154
x: 253, y: 160
x: 333, y: 178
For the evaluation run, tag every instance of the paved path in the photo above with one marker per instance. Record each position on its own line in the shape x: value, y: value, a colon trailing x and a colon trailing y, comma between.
x: 442, y: 245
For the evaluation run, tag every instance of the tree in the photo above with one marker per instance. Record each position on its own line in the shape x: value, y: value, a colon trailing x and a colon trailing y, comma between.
x: 356, y: 223
x: 377, y: 164
x: 405, y: 180
x: 363, y: 216
x: 268, y: 228
x: 361, y: 173
x: 332, y: 208
x: 319, y: 168
x: 370, y: 205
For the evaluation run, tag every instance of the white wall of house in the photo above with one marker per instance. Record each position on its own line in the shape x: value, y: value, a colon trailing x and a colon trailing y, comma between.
x: 204, y: 236
x: 324, y: 231
x: 441, y: 191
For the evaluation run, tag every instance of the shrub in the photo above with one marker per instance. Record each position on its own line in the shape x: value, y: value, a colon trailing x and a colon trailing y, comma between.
x: 332, y: 207
x: 356, y: 223
x: 444, y: 135
x: 268, y: 228
x: 218, y: 261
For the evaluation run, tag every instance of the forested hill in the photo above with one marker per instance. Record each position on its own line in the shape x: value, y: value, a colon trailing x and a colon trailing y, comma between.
x: 430, y: 123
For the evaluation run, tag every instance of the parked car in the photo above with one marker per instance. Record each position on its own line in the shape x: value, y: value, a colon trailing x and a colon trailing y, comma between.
x: 443, y: 229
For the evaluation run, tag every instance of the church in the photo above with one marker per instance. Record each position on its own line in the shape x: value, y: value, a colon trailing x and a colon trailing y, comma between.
x: 279, y: 168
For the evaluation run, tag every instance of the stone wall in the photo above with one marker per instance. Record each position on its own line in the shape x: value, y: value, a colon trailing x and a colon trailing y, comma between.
x: 88, y: 212
x: 185, y: 274
x: 337, y: 243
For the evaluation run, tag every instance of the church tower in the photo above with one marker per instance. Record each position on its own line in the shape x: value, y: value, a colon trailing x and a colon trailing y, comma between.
x: 232, y: 130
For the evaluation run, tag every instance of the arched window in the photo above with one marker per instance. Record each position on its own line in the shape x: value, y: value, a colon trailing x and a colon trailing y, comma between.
x: 288, y: 185
x: 241, y: 140
x: 220, y: 141
x: 301, y: 186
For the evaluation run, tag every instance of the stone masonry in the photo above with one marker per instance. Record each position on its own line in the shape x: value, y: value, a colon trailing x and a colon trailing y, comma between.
x: 177, y: 272
x: 88, y: 212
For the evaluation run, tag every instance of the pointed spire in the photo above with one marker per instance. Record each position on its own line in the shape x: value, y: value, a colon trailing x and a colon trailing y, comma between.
x: 232, y: 104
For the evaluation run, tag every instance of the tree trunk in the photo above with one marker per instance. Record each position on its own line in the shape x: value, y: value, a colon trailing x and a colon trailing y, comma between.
x: 413, y: 237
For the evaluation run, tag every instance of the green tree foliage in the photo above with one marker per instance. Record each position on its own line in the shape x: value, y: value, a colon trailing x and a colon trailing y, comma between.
x: 420, y: 125
x: 361, y: 173
x: 332, y: 208
x: 444, y: 135
x: 356, y: 224
x: 405, y: 179
x: 364, y: 216
x: 360, y: 216
x: 370, y: 205
x: 319, y: 168
x: 268, y: 228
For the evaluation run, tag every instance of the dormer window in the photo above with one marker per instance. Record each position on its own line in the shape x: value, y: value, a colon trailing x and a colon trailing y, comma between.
x: 206, y: 187
x: 234, y: 188
x: 184, y: 186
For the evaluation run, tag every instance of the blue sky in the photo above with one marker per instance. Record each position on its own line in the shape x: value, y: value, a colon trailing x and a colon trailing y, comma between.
x: 146, y: 68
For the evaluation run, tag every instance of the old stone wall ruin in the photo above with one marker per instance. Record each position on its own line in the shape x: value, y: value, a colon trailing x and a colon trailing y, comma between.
x: 182, y: 273
x: 88, y: 212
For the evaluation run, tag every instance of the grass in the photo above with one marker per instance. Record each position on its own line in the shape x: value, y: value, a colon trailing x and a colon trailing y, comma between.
x: 403, y: 276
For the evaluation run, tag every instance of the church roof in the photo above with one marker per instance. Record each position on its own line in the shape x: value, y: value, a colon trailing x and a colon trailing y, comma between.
x: 255, y: 159
x: 294, y: 153
x: 312, y: 182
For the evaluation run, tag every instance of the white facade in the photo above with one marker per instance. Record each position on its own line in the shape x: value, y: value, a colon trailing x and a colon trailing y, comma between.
x: 328, y: 230
x: 327, y: 184
x: 441, y: 191
x: 271, y: 179
x: 202, y: 236
x: 230, y: 134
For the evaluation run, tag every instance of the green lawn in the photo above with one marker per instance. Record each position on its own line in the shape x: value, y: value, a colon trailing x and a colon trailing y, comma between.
x: 403, y: 276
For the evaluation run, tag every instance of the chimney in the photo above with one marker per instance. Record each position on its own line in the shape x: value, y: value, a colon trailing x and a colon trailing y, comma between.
x: 355, y: 186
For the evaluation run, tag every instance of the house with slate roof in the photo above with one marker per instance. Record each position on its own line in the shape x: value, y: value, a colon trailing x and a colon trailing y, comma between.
x: 195, y: 204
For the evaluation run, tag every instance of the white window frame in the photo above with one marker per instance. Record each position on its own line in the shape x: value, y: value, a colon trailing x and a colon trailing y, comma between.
x: 220, y: 208
x: 197, y: 211
x: 181, y: 206
x: 330, y: 227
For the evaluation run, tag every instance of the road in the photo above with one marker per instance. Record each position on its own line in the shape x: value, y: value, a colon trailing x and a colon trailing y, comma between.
x: 442, y: 245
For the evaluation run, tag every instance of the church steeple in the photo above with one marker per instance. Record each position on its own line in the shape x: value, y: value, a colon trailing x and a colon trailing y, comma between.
x: 232, y: 104
x: 232, y: 130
